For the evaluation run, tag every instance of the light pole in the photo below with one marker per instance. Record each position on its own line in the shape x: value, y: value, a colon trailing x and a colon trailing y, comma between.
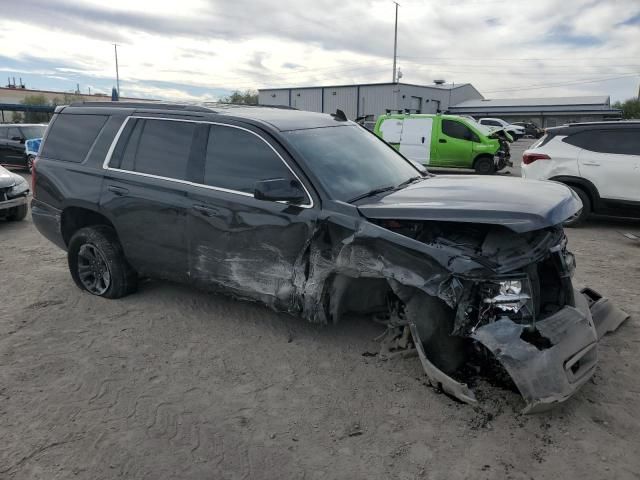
x: 115, y: 48
x: 395, y: 44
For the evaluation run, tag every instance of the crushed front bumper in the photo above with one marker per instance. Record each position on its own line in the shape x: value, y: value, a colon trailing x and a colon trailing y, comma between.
x: 548, y: 367
x: 548, y: 375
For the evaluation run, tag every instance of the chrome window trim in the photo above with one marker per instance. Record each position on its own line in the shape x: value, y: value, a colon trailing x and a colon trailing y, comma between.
x: 112, y: 147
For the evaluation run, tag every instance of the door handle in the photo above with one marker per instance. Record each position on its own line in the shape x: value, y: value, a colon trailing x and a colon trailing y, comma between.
x: 206, y: 211
x: 422, y: 139
x: 120, y: 191
x: 442, y: 140
x: 591, y: 164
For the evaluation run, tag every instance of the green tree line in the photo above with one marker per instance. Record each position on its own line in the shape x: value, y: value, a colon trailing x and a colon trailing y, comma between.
x: 630, y: 108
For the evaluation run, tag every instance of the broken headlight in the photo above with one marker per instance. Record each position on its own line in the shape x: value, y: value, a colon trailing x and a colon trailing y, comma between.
x: 511, y: 297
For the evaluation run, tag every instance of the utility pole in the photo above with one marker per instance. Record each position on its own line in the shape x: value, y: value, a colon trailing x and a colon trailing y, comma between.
x: 395, y: 44
x: 115, y: 48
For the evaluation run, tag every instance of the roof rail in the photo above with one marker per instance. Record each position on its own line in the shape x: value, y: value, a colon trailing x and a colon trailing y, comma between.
x: 151, y: 106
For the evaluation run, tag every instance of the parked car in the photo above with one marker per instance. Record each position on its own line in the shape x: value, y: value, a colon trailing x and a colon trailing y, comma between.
x: 515, y: 131
x: 13, y: 195
x: 316, y: 216
x: 444, y: 141
x: 599, y: 161
x: 19, y: 143
x: 530, y: 129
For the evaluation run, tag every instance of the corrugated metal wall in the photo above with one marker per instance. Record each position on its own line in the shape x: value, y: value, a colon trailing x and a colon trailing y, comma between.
x: 344, y: 98
x: 309, y: 99
x: 273, y: 97
x: 376, y: 99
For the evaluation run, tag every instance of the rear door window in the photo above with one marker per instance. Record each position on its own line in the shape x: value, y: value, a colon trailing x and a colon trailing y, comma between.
x: 236, y: 159
x: 4, y: 133
x: 620, y: 141
x: 156, y: 147
x: 71, y: 136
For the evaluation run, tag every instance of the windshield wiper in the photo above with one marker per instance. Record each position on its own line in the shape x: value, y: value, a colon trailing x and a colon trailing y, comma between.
x: 373, y: 192
x: 409, y: 181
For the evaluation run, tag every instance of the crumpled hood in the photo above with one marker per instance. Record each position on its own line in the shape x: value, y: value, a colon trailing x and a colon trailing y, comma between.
x: 519, y: 204
x: 7, y: 179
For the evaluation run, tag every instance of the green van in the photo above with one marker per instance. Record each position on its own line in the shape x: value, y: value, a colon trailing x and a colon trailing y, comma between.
x: 447, y: 141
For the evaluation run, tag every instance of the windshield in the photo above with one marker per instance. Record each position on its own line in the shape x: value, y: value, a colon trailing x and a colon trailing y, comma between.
x: 483, y: 129
x: 349, y: 161
x: 33, y: 131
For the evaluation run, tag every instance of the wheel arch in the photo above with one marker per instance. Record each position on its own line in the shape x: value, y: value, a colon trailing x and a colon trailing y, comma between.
x: 74, y: 218
x: 588, y: 187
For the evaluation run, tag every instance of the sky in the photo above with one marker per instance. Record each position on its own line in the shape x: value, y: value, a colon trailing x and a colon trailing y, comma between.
x: 201, y: 50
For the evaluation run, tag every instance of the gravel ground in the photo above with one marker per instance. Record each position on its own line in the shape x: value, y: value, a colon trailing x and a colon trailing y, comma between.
x: 175, y: 383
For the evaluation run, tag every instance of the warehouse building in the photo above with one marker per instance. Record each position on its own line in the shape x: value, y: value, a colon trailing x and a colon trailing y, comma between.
x: 374, y: 99
x: 544, y: 112
x: 371, y: 99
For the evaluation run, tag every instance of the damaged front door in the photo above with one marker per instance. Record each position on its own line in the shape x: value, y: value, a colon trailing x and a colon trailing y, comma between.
x: 253, y: 248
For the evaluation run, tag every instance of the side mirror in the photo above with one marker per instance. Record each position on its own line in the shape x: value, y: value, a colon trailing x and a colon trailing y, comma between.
x: 280, y: 190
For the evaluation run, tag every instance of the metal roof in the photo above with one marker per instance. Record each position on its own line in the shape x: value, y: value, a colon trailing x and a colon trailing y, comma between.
x: 593, y: 102
x: 447, y: 86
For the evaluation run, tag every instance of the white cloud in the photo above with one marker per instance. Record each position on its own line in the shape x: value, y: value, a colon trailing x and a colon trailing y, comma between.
x: 185, y: 51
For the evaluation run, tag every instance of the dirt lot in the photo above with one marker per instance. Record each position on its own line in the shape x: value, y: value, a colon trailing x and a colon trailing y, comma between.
x: 175, y: 383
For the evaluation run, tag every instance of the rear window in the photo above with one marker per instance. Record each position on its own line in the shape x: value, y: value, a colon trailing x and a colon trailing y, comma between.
x: 620, y: 141
x: 71, y: 136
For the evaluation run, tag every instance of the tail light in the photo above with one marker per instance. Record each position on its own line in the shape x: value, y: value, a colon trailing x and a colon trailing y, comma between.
x: 529, y: 158
x: 33, y: 177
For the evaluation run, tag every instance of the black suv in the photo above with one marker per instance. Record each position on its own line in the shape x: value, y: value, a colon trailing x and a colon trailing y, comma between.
x: 314, y: 215
x: 19, y: 143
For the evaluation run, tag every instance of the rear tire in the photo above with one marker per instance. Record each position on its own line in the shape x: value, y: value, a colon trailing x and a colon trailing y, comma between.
x: 97, y: 263
x: 434, y: 322
x: 580, y: 217
x: 484, y: 166
x: 19, y: 213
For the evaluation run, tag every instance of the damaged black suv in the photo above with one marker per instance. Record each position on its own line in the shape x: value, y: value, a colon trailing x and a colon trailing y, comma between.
x: 313, y: 215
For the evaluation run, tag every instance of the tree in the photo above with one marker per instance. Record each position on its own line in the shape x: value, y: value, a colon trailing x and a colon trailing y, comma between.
x: 35, y: 117
x: 630, y: 108
x: 248, y: 97
x: 67, y: 98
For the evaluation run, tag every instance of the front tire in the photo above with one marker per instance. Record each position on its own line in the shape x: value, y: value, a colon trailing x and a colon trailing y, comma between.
x: 434, y: 321
x: 579, y: 218
x: 18, y: 214
x: 484, y: 166
x: 97, y: 263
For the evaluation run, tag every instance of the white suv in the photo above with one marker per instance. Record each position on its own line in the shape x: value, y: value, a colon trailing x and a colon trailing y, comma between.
x: 599, y: 161
x: 516, y: 131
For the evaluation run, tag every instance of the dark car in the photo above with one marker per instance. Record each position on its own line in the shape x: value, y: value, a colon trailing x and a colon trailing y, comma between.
x: 13, y: 195
x: 19, y: 144
x: 314, y: 215
x: 530, y: 129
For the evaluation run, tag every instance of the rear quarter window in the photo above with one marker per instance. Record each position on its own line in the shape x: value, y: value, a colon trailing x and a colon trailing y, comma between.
x: 71, y: 136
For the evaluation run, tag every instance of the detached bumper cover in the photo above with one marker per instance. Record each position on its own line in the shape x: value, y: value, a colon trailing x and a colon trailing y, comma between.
x: 553, y: 371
